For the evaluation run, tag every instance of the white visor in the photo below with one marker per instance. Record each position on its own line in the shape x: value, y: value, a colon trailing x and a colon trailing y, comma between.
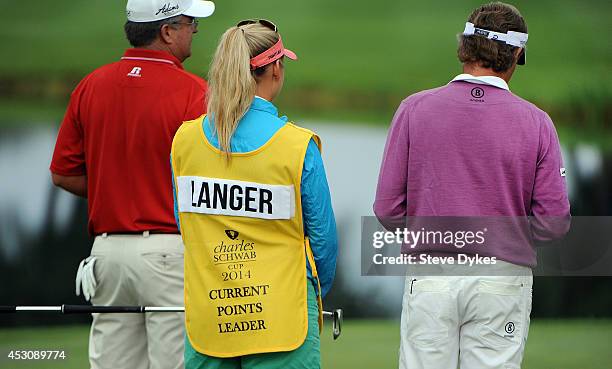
x: 517, y: 39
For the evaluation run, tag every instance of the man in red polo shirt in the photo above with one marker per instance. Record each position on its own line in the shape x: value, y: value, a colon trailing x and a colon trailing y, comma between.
x: 113, y: 148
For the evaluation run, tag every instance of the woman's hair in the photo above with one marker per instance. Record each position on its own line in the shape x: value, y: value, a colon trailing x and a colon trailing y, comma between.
x: 498, y: 17
x: 232, y: 83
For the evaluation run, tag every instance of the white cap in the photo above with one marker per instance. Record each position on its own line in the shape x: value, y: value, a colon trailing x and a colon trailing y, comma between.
x: 155, y: 10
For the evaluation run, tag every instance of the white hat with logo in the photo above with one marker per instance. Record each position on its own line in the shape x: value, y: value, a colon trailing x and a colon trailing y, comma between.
x: 155, y: 10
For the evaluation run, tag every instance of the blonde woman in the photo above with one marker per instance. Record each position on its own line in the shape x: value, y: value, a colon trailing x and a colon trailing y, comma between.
x: 254, y: 209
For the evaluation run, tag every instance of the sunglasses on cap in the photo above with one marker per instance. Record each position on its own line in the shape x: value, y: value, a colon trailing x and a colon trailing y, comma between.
x: 263, y: 22
x: 274, y: 53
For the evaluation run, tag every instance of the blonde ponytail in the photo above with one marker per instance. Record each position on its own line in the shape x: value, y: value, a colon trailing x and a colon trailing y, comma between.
x: 232, y: 84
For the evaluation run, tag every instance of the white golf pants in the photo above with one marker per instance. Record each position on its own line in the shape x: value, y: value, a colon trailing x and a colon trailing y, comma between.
x: 144, y: 270
x: 466, y: 322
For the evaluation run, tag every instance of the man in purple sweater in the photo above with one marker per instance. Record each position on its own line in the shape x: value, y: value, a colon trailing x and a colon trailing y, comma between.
x: 473, y: 148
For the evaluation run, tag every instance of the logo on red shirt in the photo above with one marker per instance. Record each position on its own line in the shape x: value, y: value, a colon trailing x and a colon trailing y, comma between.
x: 135, y: 72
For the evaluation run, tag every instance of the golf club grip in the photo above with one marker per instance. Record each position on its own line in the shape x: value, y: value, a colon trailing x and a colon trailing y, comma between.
x: 8, y: 309
x: 87, y: 309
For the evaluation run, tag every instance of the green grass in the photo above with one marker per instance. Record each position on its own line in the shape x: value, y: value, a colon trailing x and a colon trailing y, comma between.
x: 367, y: 344
x: 19, y: 112
x: 565, y: 344
x: 72, y: 340
x: 344, y: 46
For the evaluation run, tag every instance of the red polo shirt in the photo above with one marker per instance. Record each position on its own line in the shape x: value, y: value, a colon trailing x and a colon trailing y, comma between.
x: 118, y: 130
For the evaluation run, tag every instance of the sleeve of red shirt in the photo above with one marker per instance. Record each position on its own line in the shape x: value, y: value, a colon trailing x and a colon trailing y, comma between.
x: 197, y: 105
x: 69, y: 154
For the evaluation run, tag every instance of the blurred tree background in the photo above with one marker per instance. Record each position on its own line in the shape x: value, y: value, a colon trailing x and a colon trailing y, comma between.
x: 358, y: 59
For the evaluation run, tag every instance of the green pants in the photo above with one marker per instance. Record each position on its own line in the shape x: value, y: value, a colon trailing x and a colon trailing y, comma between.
x: 307, y: 356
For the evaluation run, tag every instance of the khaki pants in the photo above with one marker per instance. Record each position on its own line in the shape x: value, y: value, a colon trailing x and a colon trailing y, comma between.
x: 470, y: 322
x: 138, y: 270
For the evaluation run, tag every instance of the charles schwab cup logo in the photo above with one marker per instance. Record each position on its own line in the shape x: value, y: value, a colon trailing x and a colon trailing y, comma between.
x: 231, y: 234
x: 167, y: 8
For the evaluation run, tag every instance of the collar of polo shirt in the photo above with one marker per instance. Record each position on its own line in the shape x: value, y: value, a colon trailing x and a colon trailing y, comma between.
x: 483, y: 80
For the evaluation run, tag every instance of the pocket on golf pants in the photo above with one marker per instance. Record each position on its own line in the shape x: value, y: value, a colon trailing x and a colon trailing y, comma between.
x: 162, y: 261
x: 501, y: 312
x: 427, y: 311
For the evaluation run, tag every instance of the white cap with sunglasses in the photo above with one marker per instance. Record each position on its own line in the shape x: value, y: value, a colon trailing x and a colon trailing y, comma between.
x: 156, y: 10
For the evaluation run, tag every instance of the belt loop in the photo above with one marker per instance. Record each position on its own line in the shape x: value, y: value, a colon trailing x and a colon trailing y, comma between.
x: 145, y: 234
x: 104, y: 235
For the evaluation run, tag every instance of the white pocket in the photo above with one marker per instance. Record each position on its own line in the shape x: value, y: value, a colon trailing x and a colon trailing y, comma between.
x: 428, y: 311
x: 163, y: 262
x: 500, y: 310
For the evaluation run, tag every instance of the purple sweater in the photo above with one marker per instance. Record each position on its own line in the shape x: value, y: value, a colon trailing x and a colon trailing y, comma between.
x: 469, y: 149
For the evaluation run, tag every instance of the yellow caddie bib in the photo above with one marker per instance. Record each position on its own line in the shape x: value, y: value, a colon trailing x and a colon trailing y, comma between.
x: 245, y: 250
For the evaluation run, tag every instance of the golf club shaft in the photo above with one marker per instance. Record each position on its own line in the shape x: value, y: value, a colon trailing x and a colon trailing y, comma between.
x: 88, y: 309
x: 336, y: 315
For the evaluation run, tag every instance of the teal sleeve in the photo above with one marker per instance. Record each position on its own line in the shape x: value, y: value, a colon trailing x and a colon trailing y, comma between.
x: 176, y: 217
x: 318, y: 215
